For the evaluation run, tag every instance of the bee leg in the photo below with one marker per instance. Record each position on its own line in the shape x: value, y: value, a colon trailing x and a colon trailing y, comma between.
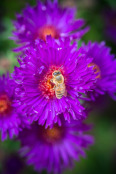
x: 54, y: 88
x: 51, y: 80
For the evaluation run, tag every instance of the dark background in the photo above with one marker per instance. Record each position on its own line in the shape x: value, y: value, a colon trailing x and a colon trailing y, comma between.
x: 101, y: 158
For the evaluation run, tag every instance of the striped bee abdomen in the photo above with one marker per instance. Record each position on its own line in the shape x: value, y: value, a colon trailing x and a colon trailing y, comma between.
x: 59, y: 91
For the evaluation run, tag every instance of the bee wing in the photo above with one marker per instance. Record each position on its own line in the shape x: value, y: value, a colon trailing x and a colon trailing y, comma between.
x: 65, y: 91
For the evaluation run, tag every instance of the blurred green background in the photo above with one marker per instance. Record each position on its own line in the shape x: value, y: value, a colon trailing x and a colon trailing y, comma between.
x: 101, y: 158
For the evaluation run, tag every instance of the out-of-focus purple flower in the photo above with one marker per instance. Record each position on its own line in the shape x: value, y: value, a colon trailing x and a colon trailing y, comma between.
x: 10, y: 121
x: 38, y: 94
x: 110, y: 24
x: 47, y: 19
x: 104, y: 66
x: 54, y: 149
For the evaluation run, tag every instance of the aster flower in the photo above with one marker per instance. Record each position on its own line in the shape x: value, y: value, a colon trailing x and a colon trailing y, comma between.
x: 41, y: 94
x: 10, y: 121
x: 47, y: 19
x: 104, y: 66
x: 54, y: 149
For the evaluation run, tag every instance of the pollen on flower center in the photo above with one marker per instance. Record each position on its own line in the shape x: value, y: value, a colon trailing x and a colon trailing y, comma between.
x: 5, y: 104
x: 47, y: 86
x: 47, y: 30
x: 96, y: 70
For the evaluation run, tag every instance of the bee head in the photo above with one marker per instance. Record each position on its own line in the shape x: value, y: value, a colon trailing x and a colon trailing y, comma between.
x: 56, y: 73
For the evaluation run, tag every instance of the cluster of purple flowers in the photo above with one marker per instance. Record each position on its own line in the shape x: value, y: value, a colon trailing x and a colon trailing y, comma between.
x: 41, y: 102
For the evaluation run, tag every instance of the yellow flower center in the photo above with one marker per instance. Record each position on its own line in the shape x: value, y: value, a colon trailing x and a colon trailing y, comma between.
x: 48, y: 30
x: 53, y: 134
x: 96, y: 70
x: 5, y: 104
x: 46, y: 85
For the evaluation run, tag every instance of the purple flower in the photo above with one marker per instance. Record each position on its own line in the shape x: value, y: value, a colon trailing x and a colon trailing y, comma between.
x: 54, y: 149
x: 10, y: 121
x: 42, y: 95
x: 104, y: 66
x: 47, y: 19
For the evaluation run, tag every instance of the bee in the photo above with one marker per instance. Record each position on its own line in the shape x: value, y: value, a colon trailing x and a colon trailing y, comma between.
x: 58, y: 80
